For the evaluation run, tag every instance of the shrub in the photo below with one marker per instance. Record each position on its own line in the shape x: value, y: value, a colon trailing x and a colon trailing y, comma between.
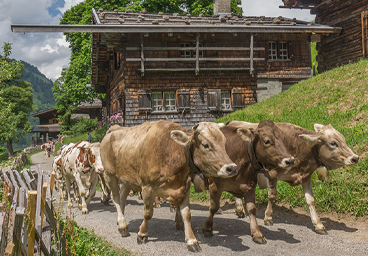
x: 84, y: 125
x: 2, y: 150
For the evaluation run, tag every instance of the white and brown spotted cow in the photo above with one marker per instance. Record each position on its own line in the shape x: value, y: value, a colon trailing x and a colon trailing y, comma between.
x: 59, y: 177
x: 82, y: 163
x: 156, y: 158
x: 325, y: 148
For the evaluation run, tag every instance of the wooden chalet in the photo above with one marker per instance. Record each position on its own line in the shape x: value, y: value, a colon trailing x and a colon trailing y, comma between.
x: 341, y: 48
x: 49, y: 126
x: 187, y: 68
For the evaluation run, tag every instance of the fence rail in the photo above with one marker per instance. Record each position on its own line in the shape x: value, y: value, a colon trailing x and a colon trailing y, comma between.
x: 29, y: 223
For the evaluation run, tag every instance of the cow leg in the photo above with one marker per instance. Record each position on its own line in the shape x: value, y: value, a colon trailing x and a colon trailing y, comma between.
x: 178, y: 219
x: 67, y: 183
x: 272, y: 195
x: 118, y: 193
x: 239, y: 207
x: 92, y: 191
x: 256, y: 233
x: 157, y: 203
x: 308, y: 193
x: 106, y: 193
x: 82, y: 192
x: 214, y: 206
x: 190, y: 239
x: 148, y: 199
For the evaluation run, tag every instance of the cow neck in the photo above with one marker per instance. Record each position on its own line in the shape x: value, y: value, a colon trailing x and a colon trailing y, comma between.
x: 316, y: 157
x: 188, y: 151
x: 252, y: 155
x: 253, y: 159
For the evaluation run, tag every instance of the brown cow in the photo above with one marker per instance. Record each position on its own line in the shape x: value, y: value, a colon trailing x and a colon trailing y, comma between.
x: 261, y: 148
x: 326, y: 148
x: 157, y: 159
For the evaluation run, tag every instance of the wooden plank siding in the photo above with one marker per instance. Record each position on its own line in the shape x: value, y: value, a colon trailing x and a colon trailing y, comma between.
x: 338, y: 49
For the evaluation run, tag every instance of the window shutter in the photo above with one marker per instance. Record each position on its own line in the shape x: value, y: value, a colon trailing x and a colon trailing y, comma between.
x: 238, y: 98
x: 183, y: 100
x: 214, y: 100
x: 144, y: 100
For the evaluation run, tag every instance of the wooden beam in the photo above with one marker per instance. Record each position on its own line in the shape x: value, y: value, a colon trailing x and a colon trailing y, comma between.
x: 31, y: 213
x: 197, y: 55
x: 142, y: 56
x: 194, y: 59
x: 194, y: 48
x: 175, y: 29
x: 251, y: 53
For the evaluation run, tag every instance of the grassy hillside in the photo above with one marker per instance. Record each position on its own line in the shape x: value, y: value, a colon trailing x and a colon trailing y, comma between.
x: 338, y: 97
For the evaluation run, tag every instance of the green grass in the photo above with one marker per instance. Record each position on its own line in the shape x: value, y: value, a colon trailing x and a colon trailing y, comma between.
x: 338, y: 97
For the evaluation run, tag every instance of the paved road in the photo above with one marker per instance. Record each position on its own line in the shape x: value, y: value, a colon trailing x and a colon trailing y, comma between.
x: 292, y: 233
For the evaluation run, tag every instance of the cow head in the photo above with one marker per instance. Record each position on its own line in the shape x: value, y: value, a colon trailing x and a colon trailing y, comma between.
x: 94, y: 157
x: 207, y: 147
x: 332, y: 149
x: 269, y: 148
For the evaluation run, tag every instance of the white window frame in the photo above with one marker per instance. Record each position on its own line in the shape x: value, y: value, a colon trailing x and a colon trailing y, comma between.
x: 226, y: 100
x: 169, y: 99
x: 283, y: 51
x: 272, y: 50
x: 185, y: 54
x: 163, y: 101
x: 157, y: 105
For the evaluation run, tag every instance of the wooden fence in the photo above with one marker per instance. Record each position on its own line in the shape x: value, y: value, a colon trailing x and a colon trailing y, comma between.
x: 29, y: 223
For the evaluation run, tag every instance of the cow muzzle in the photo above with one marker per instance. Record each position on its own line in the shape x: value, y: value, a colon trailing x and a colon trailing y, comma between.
x: 352, y: 160
x: 100, y: 170
x: 287, y: 162
x: 228, y: 170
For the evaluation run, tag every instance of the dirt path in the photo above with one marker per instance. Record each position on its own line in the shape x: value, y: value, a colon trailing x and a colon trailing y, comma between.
x: 292, y: 233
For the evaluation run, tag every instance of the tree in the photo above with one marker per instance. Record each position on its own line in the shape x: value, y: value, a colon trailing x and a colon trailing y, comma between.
x: 16, y: 100
x: 70, y: 89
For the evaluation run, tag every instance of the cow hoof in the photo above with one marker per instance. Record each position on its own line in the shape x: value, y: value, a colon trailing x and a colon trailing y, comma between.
x: 194, y: 248
x: 240, y: 214
x: 259, y: 240
x: 268, y: 223
x: 157, y: 205
x: 219, y: 211
x: 124, y: 232
x: 85, y: 211
x: 321, y: 232
x: 207, y: 233
x: 142, y: 240
x: 105, y: 202
x: 79, y: 206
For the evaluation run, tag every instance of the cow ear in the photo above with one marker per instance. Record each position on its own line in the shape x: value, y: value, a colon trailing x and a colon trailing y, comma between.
x: 318, y: 127
x: 180, y: 137
x: 310, y: 139
x: 246, y: 134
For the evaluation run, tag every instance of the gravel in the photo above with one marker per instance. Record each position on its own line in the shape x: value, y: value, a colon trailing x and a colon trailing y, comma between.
x: 291, y: 234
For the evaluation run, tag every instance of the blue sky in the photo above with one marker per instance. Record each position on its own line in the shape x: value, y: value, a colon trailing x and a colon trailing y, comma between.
x: 49, y: 52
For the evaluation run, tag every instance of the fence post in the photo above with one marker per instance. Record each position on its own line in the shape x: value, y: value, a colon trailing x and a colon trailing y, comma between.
x: 31, y: 212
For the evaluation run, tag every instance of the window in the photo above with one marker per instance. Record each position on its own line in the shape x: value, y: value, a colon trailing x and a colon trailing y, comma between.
x: 156, y: 101
x: 278, y: 51
x: 272, y: 51
x: 169, y: 101
x: 283, y: 53
x: 191, y: 53
x: 219, y: 100
x: 185, y: 54
x: 225, y: 100
x: 163, y: 101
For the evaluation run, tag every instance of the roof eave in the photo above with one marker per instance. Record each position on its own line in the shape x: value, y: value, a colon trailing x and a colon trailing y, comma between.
x: 319, y: 29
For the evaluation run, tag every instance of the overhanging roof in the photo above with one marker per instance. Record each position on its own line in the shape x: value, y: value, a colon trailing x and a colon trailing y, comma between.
x: 319, y: 29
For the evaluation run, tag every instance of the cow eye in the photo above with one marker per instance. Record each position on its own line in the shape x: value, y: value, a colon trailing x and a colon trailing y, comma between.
x: 267, y: 142
x: 206, y: 146
x: 334, y: 144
